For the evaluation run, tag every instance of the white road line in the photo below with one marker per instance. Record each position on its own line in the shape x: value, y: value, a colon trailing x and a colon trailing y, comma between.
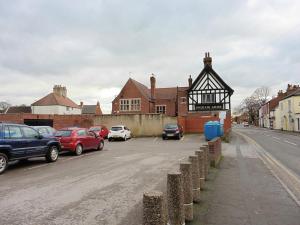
x: 276, y: 138
x: 182, y: 138
x: 155, y: 139
x: 290, y: 143
x: 35, y: 167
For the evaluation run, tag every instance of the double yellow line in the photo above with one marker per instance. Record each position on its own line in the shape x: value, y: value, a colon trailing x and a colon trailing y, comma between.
x: 289, y: 180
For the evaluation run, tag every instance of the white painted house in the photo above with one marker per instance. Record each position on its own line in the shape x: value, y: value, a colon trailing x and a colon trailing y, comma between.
x: 56, y: 102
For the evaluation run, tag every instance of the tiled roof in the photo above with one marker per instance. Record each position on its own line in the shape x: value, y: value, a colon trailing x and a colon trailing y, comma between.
x: 19, y: 109
x: 168, y: 93
x: 294, y: 93
x: 142, y: 88
x: 54, y: 99
x: 89, y: 109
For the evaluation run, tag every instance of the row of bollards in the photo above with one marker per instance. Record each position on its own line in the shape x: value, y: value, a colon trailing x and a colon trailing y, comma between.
x: 183, y: 190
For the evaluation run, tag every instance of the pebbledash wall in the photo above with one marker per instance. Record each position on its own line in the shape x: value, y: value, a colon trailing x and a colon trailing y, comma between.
x: 139, y: 124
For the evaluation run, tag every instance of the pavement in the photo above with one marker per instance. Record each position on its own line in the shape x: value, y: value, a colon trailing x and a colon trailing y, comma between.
x: 100, y: 188
x: 248, y: 188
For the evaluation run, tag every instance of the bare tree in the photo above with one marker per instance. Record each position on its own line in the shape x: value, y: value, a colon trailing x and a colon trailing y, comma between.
x: 4, y: 105
x: 262, y: 94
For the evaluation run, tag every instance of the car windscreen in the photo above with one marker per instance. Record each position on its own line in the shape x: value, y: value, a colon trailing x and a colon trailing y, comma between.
x: 63, y: 133
x: 116, y: 128
x: 95, y: 129
x: 171, y: 126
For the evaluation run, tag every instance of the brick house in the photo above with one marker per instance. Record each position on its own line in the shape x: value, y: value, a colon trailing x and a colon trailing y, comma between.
x: 91, y: 109
x: 136, y: 97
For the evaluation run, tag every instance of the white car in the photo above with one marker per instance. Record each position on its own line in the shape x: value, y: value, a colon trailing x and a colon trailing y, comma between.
x: 119, y: 132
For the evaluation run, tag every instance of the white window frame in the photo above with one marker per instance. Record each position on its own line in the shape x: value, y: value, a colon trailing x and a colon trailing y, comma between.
x: 130, y: 104
x: 205, y: 98
x: 159, y: 109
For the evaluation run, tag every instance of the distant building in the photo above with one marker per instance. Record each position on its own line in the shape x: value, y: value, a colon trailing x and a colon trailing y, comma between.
x: 91, y: 109
x: 290, y: 111
x: 18, y: 109
x: 56, y: 102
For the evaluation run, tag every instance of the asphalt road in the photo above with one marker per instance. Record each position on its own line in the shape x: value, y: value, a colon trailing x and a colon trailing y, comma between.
x: 282, y: 146
x: 103, y: 187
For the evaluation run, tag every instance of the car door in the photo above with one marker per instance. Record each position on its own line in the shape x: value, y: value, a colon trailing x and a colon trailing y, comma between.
x: 13, y: 137
x: 93, y: 140
x: 83, y: 139
x: 36, y: 145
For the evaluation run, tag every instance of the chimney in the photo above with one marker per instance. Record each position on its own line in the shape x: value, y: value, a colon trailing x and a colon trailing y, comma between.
x: 152, y: 84
x: 190, y: 81
x: 207, y: 60
x: 81, y: 104
x: 98, y: 109
x: 280, y: 94
x: 60, y: 90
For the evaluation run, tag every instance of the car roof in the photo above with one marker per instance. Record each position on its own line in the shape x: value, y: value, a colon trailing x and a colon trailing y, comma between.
x: 118, y: 126
x: 14, y: 124
x: 72, y: 128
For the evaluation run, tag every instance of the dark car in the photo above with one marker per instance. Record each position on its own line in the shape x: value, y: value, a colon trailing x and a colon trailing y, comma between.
x: 172, y: 131
x: 23, y: 142
x: 46, y: 131
x: 78, y: 140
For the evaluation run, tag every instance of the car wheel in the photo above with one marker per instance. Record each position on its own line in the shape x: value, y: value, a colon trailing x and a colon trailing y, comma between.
x: 109, y: 139
x: 178, y: 137
x: 3, y: 162
x: 101, y: 145
x: 78, y: 149
x: 52, y: 154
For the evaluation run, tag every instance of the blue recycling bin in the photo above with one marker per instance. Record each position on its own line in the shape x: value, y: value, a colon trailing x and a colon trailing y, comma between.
x: 210, y: 130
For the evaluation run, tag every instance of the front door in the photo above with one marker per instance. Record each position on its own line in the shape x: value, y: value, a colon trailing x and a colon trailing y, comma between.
x: 36, y: 145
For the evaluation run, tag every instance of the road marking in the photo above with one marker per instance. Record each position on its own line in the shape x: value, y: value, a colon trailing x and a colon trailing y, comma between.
x: 276, y: 138
x: 276, y: 168
x: 290, y: 142
x: 182, y: 138
x: 36, y: 167
x: 155, y: 139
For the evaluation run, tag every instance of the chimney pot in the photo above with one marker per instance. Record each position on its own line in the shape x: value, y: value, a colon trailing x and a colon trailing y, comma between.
x: 190, y: 81
x: 152, y: 85
x: 207, y: 60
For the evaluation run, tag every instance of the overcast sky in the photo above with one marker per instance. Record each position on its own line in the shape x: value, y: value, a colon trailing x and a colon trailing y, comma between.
x: 92, y: 47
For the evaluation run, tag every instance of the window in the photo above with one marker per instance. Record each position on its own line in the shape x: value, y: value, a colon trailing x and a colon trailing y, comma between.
x: 133, y: 104
x: 81, y: 133
x: 15, y: 132
x: 289, y: 102
x: 68, y: 108
x: 124, y: 105
x: 43, y: 130
x: 29, y: 132
x: 63, y: 133
x: 6, y: 132
x: 161, y: 109
x: 116, y: 128
x: 208, y: 98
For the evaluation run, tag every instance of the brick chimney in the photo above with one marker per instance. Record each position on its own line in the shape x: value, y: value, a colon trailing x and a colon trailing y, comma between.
x: 152, y: 85
x: 98, y: 109
x: 280, y: 94
x: 207, y: 60
x: 81, y: 104
x: 190, y: 81
x: 60, y: 90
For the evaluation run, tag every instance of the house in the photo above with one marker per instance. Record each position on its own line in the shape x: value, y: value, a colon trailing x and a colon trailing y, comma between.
x: 269, y: 113
x: 56, y: 102
x: 91, y: 109
x: 137, y: 98
x: 209, y: 92
x: 18, y: 109
x: 289, y: 108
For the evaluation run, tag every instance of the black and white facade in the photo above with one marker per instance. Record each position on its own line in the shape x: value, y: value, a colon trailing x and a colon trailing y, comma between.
x: 209, y: 92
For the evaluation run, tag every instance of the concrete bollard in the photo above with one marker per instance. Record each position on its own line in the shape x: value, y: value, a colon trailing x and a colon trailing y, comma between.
x: 206, y: 160
x: 186, y: 171
x: 175, y: 198
x: 195, y: 178
x: 154, y: 210
x: 200, y: 154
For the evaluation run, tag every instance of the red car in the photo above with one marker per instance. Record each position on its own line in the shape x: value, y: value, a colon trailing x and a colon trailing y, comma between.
x: 79, y: 139
x: 100, y: 130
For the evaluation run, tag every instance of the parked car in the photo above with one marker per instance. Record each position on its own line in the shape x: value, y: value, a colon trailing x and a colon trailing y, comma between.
x: 23, y: 142
x: 172, y: 131
x: 46, y: 131
x: 100, y: 130
x: 246, y: 124
x: 119, y: 132
x: 78, y: 140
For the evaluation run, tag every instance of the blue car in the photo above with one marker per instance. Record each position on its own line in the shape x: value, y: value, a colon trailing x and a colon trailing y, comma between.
x: 23, y: 142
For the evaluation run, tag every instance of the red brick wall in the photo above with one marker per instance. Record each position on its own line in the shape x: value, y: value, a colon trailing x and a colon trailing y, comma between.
x: 194, y: 122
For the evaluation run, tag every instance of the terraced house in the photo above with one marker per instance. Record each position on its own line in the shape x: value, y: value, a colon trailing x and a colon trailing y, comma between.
x: 290, y: 111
